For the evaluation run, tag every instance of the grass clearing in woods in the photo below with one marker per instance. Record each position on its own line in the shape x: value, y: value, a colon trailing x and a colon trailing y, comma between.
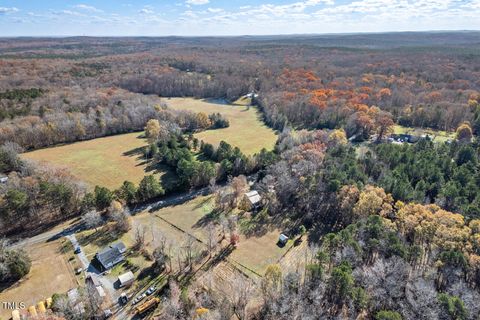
x: 107, y: 161
x: 247, y: 130
x: 436, y: 135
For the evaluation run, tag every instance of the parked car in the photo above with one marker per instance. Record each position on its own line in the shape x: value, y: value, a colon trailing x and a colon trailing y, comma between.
x: 150, y: 290
x: 78, y: 270
x: 139, y: 298
x: 107, y: 314
x: 77, y: 250
x: 123, y: 298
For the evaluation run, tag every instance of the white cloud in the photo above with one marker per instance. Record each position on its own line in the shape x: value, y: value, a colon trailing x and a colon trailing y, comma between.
x: 87, y: 8
x: 4, y: 10
x: 472, y: 5
x: 146, y: 11
x: 190, y: 14
x: 215, y: 10
x: 262, y: 17
x: 197, y: 2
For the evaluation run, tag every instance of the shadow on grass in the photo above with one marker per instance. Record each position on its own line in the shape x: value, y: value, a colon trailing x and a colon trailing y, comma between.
x: 135, y: 152
x: 257, y: 225
x: 101, y: 237
x: 203, y: 202
x: 222, y: 255
x: 213, y: 216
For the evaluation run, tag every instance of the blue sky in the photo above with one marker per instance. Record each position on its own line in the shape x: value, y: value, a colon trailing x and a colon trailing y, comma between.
x: 232, y: 17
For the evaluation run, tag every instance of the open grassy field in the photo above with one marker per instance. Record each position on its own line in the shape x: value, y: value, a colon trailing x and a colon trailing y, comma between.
x: 104, y: 161
x: 436, y: 135
x: 50, y: 273
x: 246, y: 131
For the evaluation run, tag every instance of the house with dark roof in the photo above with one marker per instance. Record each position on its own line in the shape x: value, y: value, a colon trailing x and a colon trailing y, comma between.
x: 109, y: 257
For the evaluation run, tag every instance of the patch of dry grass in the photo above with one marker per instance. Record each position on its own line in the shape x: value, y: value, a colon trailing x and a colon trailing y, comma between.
x: 50, y: 273
x: 191, y: 216
x: 107, y: 161
x: 257, y: 252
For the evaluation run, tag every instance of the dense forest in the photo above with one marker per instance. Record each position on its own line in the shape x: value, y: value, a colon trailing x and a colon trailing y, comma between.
x: 393, y: 228
x: 48, y: 88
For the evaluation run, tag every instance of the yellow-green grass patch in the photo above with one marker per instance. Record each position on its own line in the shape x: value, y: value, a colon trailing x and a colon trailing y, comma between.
x: 154, y: 230
x: 107, y: 161
x: 50, y: 273
x: 247, y: 130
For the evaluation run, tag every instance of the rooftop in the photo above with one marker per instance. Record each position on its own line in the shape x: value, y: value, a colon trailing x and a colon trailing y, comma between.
x: 253, y: 197
x: 111, y: 255
x: 128, y: 276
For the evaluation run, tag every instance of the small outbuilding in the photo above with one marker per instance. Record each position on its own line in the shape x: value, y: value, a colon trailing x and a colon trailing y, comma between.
x: 282, y: 239
x: 126, y: 279
x: 95, y: 287
x: 251, y: 201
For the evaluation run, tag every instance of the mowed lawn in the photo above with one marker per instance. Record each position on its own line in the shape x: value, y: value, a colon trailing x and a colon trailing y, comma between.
x: 50, y: 273
x: 246, y: 131
x: 107, y: 161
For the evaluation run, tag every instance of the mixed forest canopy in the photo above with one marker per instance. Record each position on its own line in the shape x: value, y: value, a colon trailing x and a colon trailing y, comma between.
x: 393, y: 226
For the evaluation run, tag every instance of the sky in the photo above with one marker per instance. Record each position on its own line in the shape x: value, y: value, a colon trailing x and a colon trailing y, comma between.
x: 232, y: 17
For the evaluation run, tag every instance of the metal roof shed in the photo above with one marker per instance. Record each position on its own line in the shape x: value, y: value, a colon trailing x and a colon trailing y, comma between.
x: 126, y: 279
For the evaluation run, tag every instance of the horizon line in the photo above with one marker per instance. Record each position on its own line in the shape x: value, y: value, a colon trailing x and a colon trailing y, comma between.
x: 245, y: 35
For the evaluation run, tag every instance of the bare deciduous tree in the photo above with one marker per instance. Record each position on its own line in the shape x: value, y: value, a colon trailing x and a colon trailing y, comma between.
x: 92, y: 219
x: 140, y: 232
x: 240, y: 296
x: 212, y: 240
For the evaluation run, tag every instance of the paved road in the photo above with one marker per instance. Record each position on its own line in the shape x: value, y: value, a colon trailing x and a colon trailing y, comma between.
x: 174, y: 199
x: 58, y: 232
x: 50, y: 235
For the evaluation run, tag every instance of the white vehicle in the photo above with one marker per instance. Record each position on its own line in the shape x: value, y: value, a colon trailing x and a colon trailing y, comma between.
x: 139, y: 298
x: 150, y: 290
